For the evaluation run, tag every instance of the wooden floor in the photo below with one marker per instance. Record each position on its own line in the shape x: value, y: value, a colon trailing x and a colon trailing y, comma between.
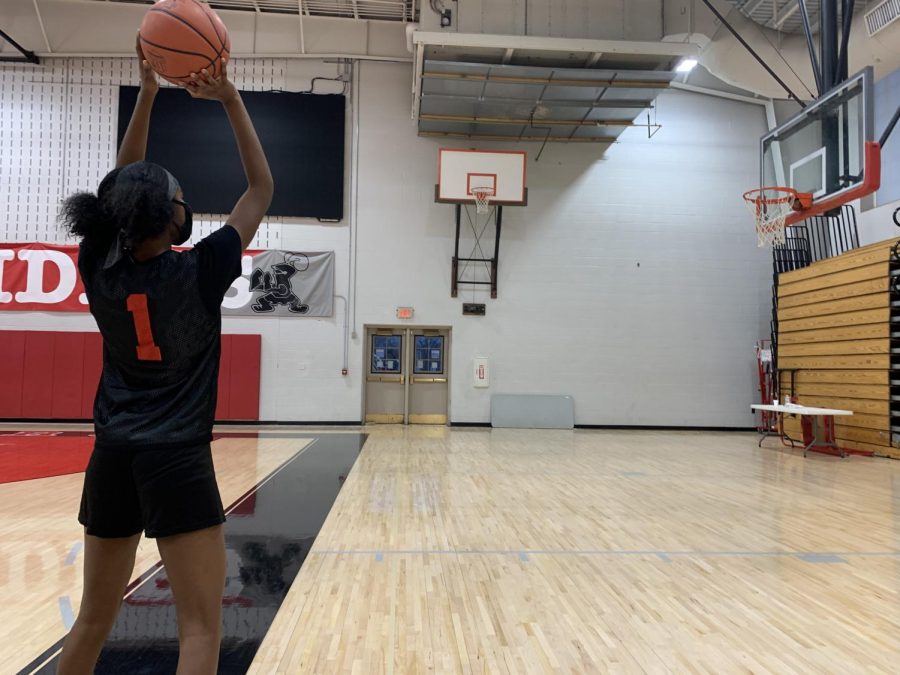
x: 511, y: 551
x: 40, y: 561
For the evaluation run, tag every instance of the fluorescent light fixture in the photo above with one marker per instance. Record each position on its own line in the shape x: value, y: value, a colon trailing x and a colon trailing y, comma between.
x: 686, y: 65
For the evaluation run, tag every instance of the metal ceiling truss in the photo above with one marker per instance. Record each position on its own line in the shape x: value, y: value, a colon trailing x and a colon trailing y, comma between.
x: 521, y: 88
x: 783, y: 15
x: 377, y: 10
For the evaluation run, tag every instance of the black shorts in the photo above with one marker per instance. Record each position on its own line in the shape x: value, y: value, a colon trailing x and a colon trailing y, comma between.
x: 160, y: 492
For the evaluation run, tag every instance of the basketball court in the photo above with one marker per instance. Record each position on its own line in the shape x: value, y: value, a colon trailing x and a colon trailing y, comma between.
x: 568, y: 344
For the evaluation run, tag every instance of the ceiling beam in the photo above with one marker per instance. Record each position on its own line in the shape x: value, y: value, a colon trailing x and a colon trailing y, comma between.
x: 550, y: 44
x: 592, y: 59
x: 515, y: 121
x: 507, y: 79
x: 625, y: 104
x: 517, y: 139
x: 302, y: 32
x: 40, y: 19
x: 787, y: 12
x: 748, y: 10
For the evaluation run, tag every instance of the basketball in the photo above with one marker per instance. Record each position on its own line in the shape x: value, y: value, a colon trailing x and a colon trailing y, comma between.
x: 180, y: 37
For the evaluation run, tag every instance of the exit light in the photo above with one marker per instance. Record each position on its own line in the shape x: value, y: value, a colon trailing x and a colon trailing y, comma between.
x: 404, y: 312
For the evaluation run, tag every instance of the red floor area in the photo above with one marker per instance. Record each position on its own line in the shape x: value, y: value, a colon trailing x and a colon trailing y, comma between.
x: 28, y: 455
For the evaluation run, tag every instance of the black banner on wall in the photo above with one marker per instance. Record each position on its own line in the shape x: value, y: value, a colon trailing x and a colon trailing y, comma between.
x: 302, y: 134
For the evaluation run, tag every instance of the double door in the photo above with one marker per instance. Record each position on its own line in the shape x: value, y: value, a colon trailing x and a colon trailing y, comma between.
x: 408, y: 375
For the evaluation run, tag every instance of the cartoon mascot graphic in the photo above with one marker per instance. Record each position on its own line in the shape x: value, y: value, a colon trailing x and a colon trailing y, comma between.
x: 275, y: 284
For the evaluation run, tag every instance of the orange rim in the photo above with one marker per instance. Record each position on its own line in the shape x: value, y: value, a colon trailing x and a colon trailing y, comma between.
x: 799, y: 201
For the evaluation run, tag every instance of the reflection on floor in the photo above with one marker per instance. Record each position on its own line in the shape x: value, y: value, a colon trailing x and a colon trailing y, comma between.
x: 268, y: 535
x: 28, y: 455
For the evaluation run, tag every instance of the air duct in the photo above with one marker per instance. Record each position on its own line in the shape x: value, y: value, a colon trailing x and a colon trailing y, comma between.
x: 786, y: 54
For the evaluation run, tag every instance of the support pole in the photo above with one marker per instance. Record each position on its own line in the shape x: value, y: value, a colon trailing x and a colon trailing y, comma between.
x: 817, y: 72
x: 27, y: 56
x: 847, y: 14
x: 889, y: 128
x: 828, y: 53
x: 495, y: 260
x: 828, y: 42
x: 454, y: 289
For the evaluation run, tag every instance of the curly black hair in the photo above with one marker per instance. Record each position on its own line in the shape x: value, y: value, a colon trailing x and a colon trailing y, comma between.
x: 133, y: 200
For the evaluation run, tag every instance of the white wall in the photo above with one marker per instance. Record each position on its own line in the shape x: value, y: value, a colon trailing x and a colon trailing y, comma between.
x: 669, y: 342
x: 57, y: 136
x: 877, y: 224
x: 632, y: 280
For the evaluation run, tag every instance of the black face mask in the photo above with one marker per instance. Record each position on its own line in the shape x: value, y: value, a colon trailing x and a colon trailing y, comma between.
x: 187, y: 227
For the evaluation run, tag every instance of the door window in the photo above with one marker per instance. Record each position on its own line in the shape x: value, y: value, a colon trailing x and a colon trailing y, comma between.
x: 386, y: 351
x: 429, y: 354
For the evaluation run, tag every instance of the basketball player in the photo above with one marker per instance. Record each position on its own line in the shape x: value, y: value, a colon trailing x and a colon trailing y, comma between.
x: 159, y: 313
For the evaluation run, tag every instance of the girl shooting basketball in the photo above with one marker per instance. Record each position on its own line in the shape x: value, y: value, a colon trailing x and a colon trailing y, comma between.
x: 159, y: 313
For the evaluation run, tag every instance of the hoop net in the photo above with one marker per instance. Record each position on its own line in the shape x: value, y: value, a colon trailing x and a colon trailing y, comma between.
x: 482, y: 197
x: 770, y: 207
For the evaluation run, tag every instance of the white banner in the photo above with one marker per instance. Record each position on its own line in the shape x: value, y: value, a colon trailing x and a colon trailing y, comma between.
x: 283, y: 283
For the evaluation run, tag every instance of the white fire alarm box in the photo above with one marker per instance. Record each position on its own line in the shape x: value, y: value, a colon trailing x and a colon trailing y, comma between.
x: 482, y: 377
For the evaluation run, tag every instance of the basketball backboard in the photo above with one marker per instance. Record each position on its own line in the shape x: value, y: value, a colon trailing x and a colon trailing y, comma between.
x: 827, y: 149
x: 460, y: 172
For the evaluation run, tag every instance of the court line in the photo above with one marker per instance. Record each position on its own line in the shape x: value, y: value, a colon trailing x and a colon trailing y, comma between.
x: 73, y: 554
x: 65, y: 604
x: 666, y: 556
x: 821, y: 558
x: 65, y: 610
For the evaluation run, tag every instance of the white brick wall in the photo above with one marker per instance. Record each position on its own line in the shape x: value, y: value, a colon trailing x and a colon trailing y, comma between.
x: 666, y: 342
x: 669, y: 342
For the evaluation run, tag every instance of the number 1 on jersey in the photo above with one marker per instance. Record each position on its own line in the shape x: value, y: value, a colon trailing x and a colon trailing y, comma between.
x: 146, y: 347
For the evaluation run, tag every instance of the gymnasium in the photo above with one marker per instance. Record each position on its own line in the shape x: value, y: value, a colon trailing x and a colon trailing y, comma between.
x: 566, y: 344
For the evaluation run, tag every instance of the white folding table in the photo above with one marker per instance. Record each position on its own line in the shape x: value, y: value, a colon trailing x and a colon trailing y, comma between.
x: 823, y: 437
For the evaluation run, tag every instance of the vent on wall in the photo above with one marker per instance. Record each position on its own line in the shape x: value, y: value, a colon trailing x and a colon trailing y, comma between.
x: 882, y: 16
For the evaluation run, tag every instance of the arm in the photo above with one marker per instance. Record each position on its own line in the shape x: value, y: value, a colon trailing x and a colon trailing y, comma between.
x: 251, y: 207
x: 134, y: 143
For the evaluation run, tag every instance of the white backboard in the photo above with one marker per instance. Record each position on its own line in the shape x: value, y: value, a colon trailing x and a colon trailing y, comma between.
x: 459, y: 171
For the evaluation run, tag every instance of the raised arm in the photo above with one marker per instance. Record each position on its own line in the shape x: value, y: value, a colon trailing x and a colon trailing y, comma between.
x: 251, y: 207
x: 134, y: 143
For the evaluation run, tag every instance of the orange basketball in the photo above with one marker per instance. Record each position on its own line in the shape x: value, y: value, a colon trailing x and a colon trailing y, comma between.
x: 180, y: 37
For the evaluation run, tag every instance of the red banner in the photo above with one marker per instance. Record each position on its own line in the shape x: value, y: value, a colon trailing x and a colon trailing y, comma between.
x: 40, y: 277
x: 44, y: 278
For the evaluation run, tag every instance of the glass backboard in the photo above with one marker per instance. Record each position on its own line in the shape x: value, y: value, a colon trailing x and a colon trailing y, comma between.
x: 824, y: 148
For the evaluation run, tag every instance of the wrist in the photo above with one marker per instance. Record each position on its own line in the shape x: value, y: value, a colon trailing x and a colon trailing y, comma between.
x: 231, y: 98
x: 148, y: 90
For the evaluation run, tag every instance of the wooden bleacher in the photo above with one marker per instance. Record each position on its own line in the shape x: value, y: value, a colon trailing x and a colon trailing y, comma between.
x: 834, y: 343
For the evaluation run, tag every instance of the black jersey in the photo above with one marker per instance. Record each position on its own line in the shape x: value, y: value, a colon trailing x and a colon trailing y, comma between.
x: 161, y: 323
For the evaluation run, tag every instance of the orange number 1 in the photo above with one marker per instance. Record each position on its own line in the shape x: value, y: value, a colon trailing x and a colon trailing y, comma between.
x: 146, y: 347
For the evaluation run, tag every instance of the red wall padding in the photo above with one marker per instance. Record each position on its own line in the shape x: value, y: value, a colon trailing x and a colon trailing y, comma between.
x: 54, y: 375
x: 244, y: 376
x: 12, y: 370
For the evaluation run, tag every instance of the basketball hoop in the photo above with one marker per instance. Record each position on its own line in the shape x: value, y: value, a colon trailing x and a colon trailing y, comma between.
x: 770, y: 207
x: 482, y: 197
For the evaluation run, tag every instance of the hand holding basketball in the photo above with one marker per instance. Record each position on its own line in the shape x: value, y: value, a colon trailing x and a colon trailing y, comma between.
x: 180, y: 37
x: 149, y: 82
x: 204, y: 85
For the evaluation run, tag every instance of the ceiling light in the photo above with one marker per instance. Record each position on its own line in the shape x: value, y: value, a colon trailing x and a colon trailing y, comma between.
x: 686, y: 65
